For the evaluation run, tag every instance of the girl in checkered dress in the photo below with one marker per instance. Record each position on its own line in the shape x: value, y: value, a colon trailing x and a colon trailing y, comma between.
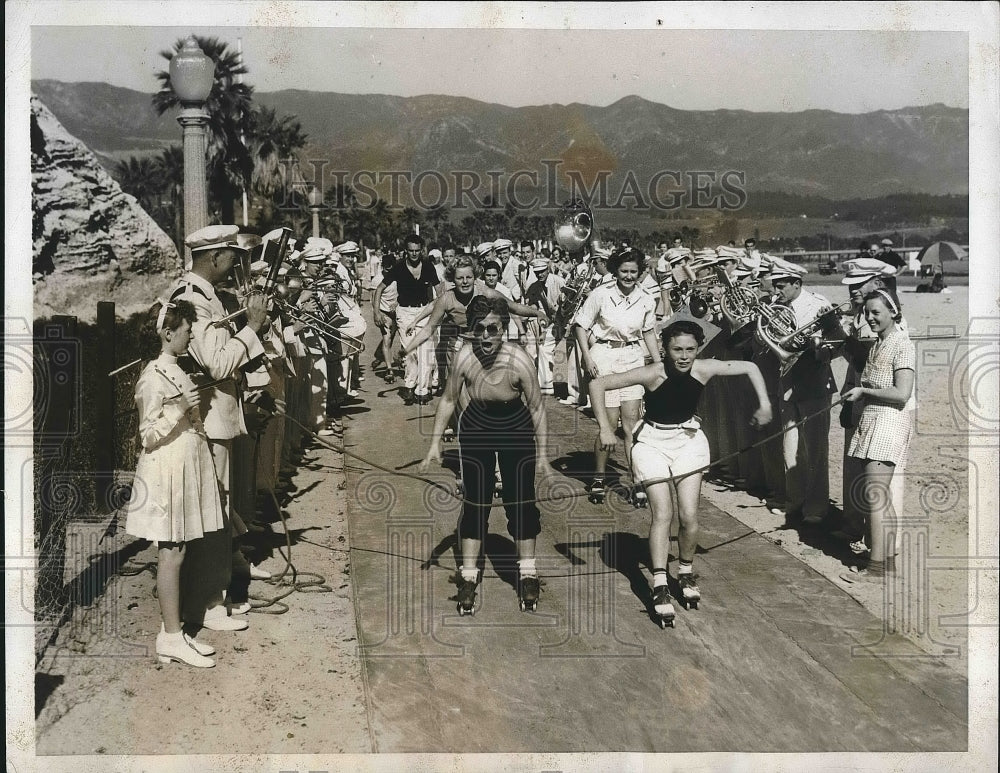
x: 885, y: 428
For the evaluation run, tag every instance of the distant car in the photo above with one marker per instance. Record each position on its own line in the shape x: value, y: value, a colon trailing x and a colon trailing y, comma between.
x: 827, y: 268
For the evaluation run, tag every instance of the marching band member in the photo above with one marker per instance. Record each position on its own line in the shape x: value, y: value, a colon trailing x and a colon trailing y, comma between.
x: 806, y: 390
x: 313, y: 257
x: 576, y: 377
x: 219, y: 353
x: 609, y: 327
x: 544, y: 292
x: 354, y: 329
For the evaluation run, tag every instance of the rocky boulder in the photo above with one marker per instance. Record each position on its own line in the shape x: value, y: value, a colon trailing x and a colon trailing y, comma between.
x: 91, y: 240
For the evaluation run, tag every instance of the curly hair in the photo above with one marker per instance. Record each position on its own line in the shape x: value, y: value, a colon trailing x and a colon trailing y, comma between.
x: 628, y: 255
x: 682, y: 327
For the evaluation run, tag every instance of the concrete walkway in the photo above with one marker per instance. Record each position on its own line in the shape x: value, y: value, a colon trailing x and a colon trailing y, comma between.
x: 777, y: 658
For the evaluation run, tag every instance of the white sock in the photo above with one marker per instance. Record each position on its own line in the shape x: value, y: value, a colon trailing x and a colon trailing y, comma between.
x: 659, y: 578
x: 526, y: 567
x: 685, y: 568
x: 469, y: 575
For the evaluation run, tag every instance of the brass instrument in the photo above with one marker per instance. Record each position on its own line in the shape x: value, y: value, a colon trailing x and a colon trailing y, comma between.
x: 572, y: 234
x: 776, y: 330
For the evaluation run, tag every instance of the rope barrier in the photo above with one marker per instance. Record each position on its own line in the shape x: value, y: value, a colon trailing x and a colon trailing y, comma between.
x: 575, y: 495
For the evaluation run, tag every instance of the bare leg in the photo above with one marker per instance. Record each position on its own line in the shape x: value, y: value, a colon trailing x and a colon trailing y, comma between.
x: 661, y: 509
x: 630, y: 417
x: 170, y: 556
x: 878, y: 503
x: 600, y: 455
x: 688, y: 495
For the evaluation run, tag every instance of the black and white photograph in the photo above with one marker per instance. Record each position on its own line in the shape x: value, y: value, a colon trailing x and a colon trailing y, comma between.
x: 480, y: 386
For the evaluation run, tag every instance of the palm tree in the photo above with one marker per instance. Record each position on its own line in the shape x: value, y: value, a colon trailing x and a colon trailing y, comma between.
x: 437, y: 215
x: 230, y: 165
x: 272, y: 140
x: 169, y: 168
x: 137, y: 177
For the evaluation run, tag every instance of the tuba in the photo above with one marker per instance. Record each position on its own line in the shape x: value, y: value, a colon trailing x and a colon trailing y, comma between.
x: 572, y: 232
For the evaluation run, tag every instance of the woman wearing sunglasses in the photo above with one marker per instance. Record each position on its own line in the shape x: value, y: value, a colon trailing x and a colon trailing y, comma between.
x: 504, y: 422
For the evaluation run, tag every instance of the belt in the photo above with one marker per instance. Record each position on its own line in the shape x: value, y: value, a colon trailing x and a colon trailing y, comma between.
x: 693, y: 423
x: 419, y: 306
x: 616, y: 344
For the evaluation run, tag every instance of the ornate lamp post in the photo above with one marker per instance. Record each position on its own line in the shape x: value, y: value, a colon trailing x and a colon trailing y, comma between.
x: 192, y: 75
x: 315, y: 205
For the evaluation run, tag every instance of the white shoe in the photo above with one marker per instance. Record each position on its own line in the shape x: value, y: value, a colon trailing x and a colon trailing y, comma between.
x: 173, y: 646
x: 239, y: 609
x: 567, y: 401
x: 217, y: 619
x: 353, y: 393
x: 325, y: 432
x: 256, y: 573
x: 199, y: 646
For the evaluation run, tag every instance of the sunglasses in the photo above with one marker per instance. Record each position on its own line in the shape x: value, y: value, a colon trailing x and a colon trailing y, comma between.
x: 491, y: 330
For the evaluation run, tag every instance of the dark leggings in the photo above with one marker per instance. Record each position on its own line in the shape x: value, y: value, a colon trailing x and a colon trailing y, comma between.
x: 488, y: 432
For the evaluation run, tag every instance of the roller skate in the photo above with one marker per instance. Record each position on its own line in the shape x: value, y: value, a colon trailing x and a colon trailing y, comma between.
x: 449, y: 435
x: 528, y: 589
x: 690, y: 592
x: 596, y: 491
x: 498, y: 485
x: 663, y: 608
x: 466, y: 597
x: 459, y: 488
x: 639, y: 498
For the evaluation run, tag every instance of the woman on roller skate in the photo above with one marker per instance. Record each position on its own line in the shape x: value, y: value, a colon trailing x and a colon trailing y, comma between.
x: 668, y: 446
x: 503, y: 422
x: 612, y: 327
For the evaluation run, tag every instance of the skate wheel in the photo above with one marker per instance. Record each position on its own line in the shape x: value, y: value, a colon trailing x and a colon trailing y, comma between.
x: 461, y: 610
x: 523, y: 606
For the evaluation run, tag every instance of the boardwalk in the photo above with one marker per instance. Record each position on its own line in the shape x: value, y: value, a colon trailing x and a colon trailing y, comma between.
x: 777, y: 659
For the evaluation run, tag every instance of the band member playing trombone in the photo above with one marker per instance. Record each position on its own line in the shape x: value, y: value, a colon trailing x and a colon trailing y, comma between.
x: 219, y: 352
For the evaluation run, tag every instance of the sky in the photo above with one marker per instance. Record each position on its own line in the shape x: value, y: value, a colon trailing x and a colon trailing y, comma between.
x: 849, y: 71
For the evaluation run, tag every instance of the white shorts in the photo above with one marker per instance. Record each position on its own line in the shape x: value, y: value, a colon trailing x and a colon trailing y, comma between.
x: 610, y: 360
x: 664, y: 453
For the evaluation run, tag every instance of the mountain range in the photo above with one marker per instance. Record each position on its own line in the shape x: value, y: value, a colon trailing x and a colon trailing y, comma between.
x: 813, y: 152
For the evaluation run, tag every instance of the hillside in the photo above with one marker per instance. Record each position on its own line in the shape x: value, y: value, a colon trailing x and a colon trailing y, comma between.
x: 814, y: 152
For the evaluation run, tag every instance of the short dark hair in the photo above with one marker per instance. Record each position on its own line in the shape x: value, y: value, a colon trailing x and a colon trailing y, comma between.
x: 481, y: 307
x: 492, y: 264
x: 683, y: 327
x: 628, y: 255
x: 414, y: 239
x: 528, y: 245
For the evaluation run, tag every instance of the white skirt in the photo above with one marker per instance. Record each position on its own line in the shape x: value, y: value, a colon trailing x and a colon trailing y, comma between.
x: 175, y: 492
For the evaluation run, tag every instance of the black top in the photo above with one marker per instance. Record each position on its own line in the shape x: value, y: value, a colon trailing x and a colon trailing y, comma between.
x: 413, y: 291
x: 675, y: 400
